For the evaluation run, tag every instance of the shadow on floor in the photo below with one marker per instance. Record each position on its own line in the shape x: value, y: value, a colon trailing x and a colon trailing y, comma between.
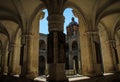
x: 4, y: 78
x: 110, y: 78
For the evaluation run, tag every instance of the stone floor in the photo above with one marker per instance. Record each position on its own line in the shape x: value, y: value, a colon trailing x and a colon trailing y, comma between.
x: 108, y: 78
x: 5, y: 78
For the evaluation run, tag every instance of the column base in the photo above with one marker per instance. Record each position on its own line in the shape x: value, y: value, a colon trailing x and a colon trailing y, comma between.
x: 92, y: 74
x: 16, y: 70
x: 57, y: 73
x: 5, y: 69
x: 118, y: 67
x: 51, y: 80
x: 110, y: 70
x: 31, y: 75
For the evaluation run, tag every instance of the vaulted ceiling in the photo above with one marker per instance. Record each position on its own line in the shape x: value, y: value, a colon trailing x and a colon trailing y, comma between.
x: 16, y: 14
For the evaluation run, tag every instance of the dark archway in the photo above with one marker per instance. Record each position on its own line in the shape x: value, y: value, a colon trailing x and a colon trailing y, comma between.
x: 75, y: 59
x: 41, y: 65
x: 42, y: 45
x: 74, y: 46
x: 67, y: 56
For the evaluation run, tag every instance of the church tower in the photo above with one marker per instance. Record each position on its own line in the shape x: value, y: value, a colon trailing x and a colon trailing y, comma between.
x: 72, y: 28
x: 73, y: 49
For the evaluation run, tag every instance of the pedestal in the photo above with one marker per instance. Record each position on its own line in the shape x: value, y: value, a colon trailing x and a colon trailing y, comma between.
x: 56, y: 73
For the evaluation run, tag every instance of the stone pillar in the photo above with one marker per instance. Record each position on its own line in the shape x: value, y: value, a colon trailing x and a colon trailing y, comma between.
x: 88, y: 56
x: 31, y: 48
x: 46, y: 68
x: 32, y: 59
x: 108, y: 57
x: 56, y: 49
x: 10, y: 57
x: 74, y: 67
x: 118, y: 52
x: 79, y: 66
x: 89, y: 66
x: 23, y: 54
x: 0, y: 60
x: 5, y: 61
x: 15, y: 64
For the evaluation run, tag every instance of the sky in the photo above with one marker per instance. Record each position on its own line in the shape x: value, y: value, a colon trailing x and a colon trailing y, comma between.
x: 43, y: 24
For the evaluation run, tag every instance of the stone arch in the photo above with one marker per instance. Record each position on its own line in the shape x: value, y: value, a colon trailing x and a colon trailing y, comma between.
x: 4, y: 53
x: 79, y: 14
x: 83, y: 40
x: 35, y: 17
x: 117, y: 47
x: 103, y: 32
x: 116, y: 26
x: 107, y: 47
x: 4, y: 31
x: 101, y: 13
x: 16, y: 67
x: 116, y: 44
x: 32, y: 42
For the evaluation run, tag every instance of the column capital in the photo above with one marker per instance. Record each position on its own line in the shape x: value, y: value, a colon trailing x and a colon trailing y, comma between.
x: 56, y: 7
x: 41, y: 15
x: 112, y: 42
x: 117, y: 45
x: 91, y: 33
x: 76, y: 13
x: 25, y: 37
x: 28, y: 36
x: 55, y: 22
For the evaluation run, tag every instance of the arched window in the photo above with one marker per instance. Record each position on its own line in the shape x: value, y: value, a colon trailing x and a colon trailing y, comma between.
x: 74, y: 46
x: 42, y: 45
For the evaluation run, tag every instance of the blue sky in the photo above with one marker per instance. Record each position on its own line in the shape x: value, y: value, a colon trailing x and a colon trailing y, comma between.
x: 44, y: 23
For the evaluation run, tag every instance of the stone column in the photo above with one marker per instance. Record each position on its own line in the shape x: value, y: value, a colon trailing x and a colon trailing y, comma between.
x: 23, y: 54
x: 79, y: 66
x: 9, y: 60
x: 0, y: 60
x: 31, y: 64
x: 89, y: 66
x: 46, y: 68
x: 74, y: 67
x: 15, y: 64
x: 108, y: 57
x: 5, y: 61
x: 88, y: 56
x: 56, y: 49
x: 31, y: 48
x: 118, y: 52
